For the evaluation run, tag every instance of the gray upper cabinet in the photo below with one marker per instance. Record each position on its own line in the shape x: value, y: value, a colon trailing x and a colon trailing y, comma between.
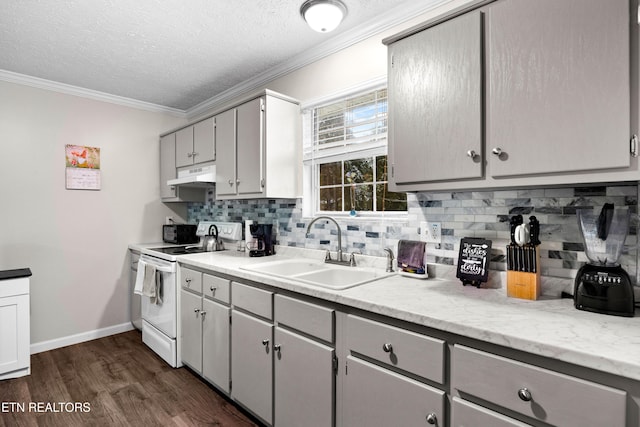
x: 167, y: 165
x: 515, y: 93
x: 558, y: 86
x: 196, y: 143
x: 258, y: 144
x: 435, y: 97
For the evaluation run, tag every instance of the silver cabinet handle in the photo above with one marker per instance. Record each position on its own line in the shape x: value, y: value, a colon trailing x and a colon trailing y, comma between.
x: 230, y: 182
x: 237, y: 182
x: 472, y: 154
x: 497, y: 151
x: 387, y: 347
x: 432, y: 419
x: 196, y: 310
x: 189, y: 155
x: 265, y: 342
x: 276, y: 347
x: 187, y: 281
x: 194, y: 153
x: 202, y: 313
x: 213, y: 288
x: 524, y: 394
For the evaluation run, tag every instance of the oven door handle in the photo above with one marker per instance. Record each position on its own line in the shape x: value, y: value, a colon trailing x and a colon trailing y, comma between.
x: 165, y: 267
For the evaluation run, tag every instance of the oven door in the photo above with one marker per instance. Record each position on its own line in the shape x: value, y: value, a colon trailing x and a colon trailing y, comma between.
x: 162, y: 312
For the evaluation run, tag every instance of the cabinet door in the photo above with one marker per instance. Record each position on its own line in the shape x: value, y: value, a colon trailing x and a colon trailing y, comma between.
x: 215, y: 343
x: 374, y: 396
x: 466, y: 414
x: 204, y: 144
x: 184, y: 147
x: 167, y: 165
x: 252, y: 364
x: 559, y: 97
x: 435, y: 102
x: 226, y: 153
x: 304, y: 381
x: 14, y: 333
x: 250, y: 147
x: 191, y: 330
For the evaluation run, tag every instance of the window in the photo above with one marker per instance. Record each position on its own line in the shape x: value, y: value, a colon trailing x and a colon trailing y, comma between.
x: 346, y: 155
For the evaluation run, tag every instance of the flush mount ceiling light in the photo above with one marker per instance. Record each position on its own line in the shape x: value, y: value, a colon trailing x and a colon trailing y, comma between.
x: 323, y: 15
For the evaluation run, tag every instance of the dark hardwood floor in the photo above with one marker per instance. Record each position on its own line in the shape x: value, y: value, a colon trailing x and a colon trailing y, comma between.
x: 112, y: 381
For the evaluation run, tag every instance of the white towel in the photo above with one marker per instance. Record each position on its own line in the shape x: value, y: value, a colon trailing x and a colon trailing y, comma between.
x: 137, y: 289
x: 149, y: 283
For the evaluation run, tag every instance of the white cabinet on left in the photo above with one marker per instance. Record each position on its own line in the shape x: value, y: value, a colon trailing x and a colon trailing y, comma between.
x: 14, y: 324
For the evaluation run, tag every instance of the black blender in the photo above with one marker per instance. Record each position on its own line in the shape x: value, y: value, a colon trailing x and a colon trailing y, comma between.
x: 602, y: 285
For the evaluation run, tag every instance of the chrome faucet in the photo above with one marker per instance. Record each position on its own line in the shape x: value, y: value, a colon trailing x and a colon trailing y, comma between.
x: 339, y: 251
x: 390, y: 259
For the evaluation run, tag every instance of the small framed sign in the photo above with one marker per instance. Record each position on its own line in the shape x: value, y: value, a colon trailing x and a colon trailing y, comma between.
x: 473, y: 261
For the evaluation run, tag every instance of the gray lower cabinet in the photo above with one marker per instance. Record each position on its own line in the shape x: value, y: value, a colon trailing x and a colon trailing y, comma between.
x: 303, y: 382
x: 533, y: 392
x: 381, y: 382
x: 252, y: 349
x: 375, y: 396
x: 304, y: 356
x: 204, y: 328
x: 252, y: 364
x: 467, y: 414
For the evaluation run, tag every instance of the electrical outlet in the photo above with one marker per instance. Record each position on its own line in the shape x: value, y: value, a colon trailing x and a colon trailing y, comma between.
x: 168, y: 220
x: 432, y: 232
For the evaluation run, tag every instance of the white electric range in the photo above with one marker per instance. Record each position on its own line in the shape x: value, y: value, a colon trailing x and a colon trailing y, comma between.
x: 160, y: 314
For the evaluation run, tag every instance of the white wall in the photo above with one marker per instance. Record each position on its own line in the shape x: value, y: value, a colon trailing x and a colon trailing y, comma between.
x: 75, y: 242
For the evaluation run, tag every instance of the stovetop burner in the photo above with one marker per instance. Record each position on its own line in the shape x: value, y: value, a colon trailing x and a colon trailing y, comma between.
x: 179, y: 250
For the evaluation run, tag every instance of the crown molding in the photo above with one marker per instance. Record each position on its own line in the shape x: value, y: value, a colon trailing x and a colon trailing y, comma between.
x: 11, y: 77
x: 371, y: 28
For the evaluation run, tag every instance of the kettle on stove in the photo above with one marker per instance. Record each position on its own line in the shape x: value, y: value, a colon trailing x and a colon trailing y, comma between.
x: 211, y: 242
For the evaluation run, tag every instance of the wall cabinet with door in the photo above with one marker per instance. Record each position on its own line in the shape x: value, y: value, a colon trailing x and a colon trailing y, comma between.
x: 259, y: 149
x: 553, y: 112
x: 205, y: 325
x: 196, y: 143
x: 168, y: 171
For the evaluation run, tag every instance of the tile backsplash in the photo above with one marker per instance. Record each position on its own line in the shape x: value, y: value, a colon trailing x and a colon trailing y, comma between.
x: 462, y: 214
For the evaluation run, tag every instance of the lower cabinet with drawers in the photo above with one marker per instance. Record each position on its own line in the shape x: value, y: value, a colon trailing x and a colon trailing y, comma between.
x: 293, y: 361
x: 530, y: 391
x: 386, y: 375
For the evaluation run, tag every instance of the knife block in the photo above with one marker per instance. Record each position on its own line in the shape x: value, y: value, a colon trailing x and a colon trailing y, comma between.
x: 524, y: 285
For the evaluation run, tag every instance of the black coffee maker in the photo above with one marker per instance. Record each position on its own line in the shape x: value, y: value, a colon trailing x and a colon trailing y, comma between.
x: 602, y: 285
x: 263, y: 237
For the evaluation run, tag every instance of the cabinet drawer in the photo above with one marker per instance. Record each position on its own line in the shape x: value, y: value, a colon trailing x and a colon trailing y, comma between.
x: 191, y: 279
x: 375, y: 396
x: 308, y: 318
x: 410, y: 351
x: 554, y: 398
x: 466, y: 414
x: 216, y: 288
x: 253, y: 300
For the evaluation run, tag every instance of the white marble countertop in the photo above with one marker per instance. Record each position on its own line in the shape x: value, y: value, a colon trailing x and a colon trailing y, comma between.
x: 549, y: 326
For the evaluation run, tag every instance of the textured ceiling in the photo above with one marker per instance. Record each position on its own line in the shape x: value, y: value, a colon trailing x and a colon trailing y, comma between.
x: 172, y: 53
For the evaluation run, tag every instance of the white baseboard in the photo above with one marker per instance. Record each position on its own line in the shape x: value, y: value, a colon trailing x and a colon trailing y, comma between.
x: 78, y: 338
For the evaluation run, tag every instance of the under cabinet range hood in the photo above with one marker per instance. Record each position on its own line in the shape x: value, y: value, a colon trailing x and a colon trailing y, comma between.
x: 202, y: 176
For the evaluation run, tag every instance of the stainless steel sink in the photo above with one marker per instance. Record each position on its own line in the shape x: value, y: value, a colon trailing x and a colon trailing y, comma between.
x: 318, y: 273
